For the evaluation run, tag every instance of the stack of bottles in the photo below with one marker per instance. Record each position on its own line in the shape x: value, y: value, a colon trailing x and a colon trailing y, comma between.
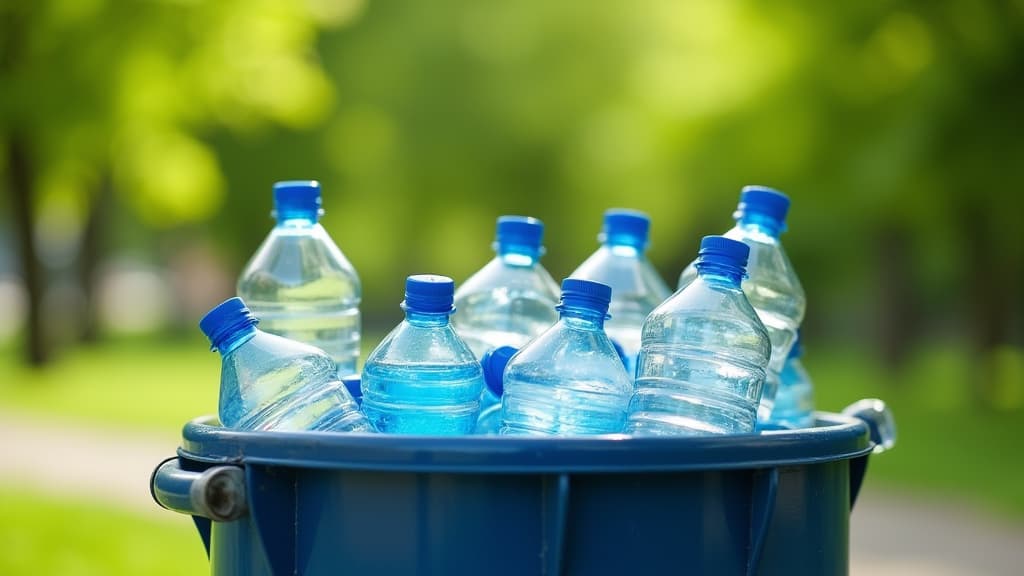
x: 508, y: 352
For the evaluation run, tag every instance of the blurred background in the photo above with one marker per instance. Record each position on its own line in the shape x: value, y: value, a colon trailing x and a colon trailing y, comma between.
x: 139, y: 143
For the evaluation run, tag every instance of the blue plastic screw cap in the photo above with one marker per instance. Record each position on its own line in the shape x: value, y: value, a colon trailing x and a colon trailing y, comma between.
x: 586, y: 294
x: 520, y: 230
x: 352, y: 383
x: 297, y: 199
x: 429, y: 294
x: 226, y: 319
x: 622, y: 223
x: 722, y: 250
x: 763, y: 200
x: 493, y: 363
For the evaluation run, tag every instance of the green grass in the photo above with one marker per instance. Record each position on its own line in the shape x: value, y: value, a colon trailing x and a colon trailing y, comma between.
x: 947, y: 446
x: 141, y: 383
x: 45, y: 535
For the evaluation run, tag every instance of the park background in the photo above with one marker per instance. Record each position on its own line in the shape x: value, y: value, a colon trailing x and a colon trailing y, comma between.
x: 139, y: 143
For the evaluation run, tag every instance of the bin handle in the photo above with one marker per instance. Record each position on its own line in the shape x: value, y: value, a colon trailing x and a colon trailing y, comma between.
x: 882, y: 427
x: 877, y: 415
x: 217, y: 493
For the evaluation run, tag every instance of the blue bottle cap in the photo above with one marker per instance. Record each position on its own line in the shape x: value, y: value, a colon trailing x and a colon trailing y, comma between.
x: 225, y: 320
x: 352, y: 383
x: 429, y: 294
x: 764, y: 201
x: 624, y: 226
x: 722, y: 250
x: 297, y: 199
x: 493, y: 363
x: 586, y: 294
x: 520, y: 230
x: 798, y: 347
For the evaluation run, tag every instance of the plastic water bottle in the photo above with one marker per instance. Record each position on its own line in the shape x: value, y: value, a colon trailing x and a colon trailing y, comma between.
x: 299, y: 284
x: 272, y: 383
x: 704, y: 354
x: 422, y: 378
x: 771, y: 284
x: 794, y: 402
x: 508, y: 302
x: 637, y: 288
x: 569, y: 380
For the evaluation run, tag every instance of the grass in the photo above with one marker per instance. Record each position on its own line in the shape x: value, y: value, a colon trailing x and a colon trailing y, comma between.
x: 46, y: 535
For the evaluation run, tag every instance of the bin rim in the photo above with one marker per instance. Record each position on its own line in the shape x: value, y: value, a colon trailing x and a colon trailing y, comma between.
x: 834, y: 437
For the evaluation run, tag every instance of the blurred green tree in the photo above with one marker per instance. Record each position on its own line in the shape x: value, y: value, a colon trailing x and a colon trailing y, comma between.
x: 113, y: 101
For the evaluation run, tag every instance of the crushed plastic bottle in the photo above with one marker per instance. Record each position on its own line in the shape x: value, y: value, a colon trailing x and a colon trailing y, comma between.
x: 273, y: 383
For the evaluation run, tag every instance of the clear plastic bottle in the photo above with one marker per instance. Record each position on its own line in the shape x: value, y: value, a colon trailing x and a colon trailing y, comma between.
x: 422, y: 378
x: 569, y: 380
x: 794, y: 402
x: 621, y: 263
x: 299, y: 284
x: 702, y: 364
x: 771, y: 284
x: 272, y: 383
x: 508, y: 302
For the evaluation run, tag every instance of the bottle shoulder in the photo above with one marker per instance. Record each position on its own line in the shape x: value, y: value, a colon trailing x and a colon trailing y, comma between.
x: 630, y: 275
x: 524, y: 281
x: 293, y: 266
x: 565, y: 353
x: 268, y: 352
x: 411, y: 344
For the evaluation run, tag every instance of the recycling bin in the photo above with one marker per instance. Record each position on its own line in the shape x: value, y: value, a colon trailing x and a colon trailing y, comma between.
x: 317, y: 503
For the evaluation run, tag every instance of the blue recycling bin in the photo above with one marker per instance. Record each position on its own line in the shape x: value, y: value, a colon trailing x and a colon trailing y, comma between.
x: 312, y: 503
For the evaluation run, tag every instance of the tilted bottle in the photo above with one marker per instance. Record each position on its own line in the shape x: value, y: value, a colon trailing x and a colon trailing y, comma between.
x: 273, y: 383
x: 794, y: 402
x: 771, y: 284
x: 422, y: 378
x: 702, y: 363
x: 299, y: 284
x: 569, y: 380
x: 508, y: 302
x: 621, y: 263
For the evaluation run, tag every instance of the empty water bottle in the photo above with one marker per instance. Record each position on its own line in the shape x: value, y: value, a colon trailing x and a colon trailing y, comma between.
x: 771, y: 284
x: 621, y: 263
x: 702, y: 363
x: 794, y: 402
x: 272, y: 383
x: 422, y: 378
x: 508, y: 302
x: 299, y: 284
x: 569, y: 380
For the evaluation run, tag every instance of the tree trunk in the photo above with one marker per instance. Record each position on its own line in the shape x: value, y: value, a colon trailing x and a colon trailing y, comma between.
x: 897, y: 306
x: 90, y: 254
x: 20, y: 187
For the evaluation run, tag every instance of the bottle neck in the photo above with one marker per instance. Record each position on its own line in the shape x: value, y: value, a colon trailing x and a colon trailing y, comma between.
x: 718, y: 273
x: 518, y: 254
x: 757, y: 223
x: 581, y: 318
x: 427, y: 319
x: 624, y: 244
x: 234, y: 340
x: 293, y: 221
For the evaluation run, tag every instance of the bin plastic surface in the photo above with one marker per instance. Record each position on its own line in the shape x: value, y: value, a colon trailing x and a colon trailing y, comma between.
x: 312, y: 503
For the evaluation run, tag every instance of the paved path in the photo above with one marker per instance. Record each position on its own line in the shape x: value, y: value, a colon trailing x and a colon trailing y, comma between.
x: 891, y: 534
